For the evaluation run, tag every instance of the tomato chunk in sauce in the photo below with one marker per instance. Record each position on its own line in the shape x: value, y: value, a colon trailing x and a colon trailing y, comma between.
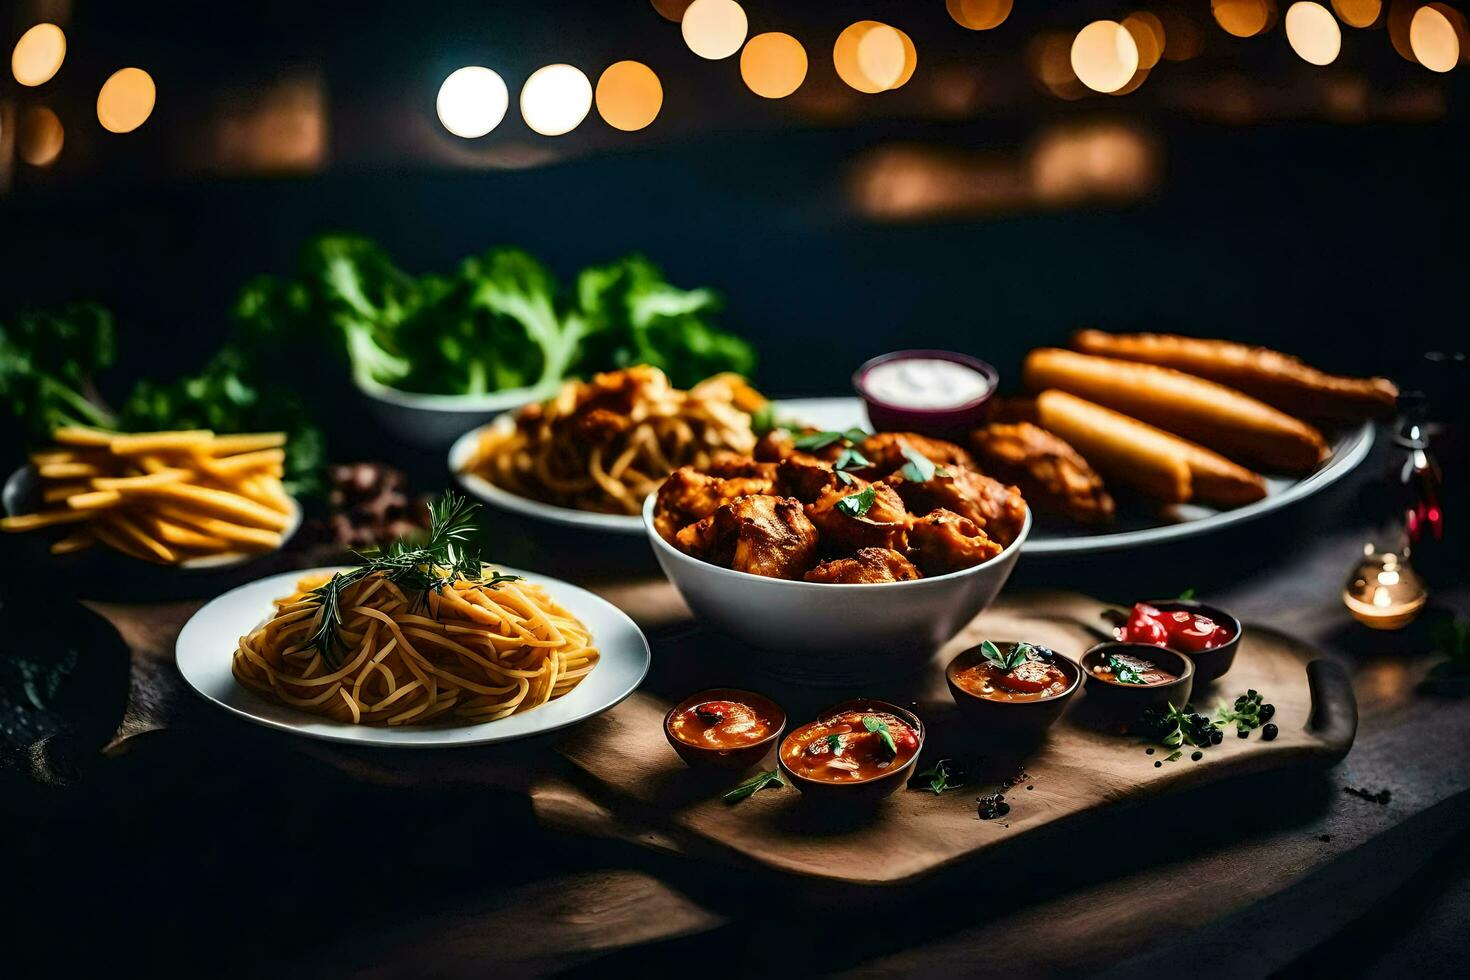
x: 1030, y: 681
x: 849, y: 747
x: 722, y: 724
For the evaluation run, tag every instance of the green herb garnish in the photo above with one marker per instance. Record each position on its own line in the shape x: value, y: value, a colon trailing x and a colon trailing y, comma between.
x: 1125, y: 672
x: 857, y: 504
x: 939, y: 776
x: 1247, y: 714
x: 834, y: 742
x: 851, y: 459
x: 1174, y: 756
x: 846, y: 478
x: 753, y: 785
x: 418, y: 569
x: 1187, y: 595
x: 1173, y: 727
x: 821, y: 440
x: 920, y: 468
x: 1019, y: 654
x: 880, y: 728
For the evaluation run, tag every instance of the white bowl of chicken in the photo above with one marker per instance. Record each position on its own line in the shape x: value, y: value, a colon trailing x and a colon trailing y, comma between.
x: 840, y: 558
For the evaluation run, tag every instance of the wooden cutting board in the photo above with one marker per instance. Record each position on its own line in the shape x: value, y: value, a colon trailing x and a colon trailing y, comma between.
x: 628, y: 782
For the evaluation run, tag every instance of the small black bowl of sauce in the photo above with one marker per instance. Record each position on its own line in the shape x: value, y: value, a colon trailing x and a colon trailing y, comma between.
x: 1122, y: 679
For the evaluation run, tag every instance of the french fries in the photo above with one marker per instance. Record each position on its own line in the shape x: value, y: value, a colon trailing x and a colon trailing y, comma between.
x: 162, y: 497
x: 1275, y: 378
x: 1219, y: 418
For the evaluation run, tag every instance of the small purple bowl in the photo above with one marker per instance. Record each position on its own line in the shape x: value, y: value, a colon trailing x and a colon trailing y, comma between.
x: 949, y: 421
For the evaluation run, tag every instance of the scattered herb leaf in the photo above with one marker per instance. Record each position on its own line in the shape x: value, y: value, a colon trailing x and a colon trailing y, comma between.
x: 1172, y: 727
x: 1125, y: 672
x: 847, y: 478
x: 1248, y: 713
x: 851, y: 459
x: 821, y: 440
x: 1187, y: 595
x: 1174, y: 756
x: 943, y: 776
x: 834, y: 742
x: 920, y: 468
x: 880, y: 728
x: 766, y: 780
x: 857, y: 504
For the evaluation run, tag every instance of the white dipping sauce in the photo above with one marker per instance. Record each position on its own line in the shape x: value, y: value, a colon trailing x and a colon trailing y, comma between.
x: 925, y: 382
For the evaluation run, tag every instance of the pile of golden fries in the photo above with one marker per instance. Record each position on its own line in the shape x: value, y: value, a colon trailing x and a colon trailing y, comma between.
x: 162, y: 497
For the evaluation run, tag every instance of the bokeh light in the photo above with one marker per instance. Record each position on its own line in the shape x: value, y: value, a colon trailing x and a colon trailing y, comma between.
x: 1243, y: 18
x: 773, y: 65
x: 1433, y: 40
x: 1050, y: 58
x: 555, y: 99
x: 1104, y: 56
x: 1148, y: 35
x: 1183, y: 38
x: 126, y: 100
x: 873, y: 57
x: 671, y: 9
x: 978, y: 15
x: 1358, y: 13
x: 472, y: 101
x: 629, y: 95
x: 38, y: 55
x: 1071, y: 163
x: 1313, y: 33
x: 40, y: 136
x: 714, y: 29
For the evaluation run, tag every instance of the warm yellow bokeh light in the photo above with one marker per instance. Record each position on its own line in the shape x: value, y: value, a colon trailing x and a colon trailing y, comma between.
x: 1313, y: 33
x: 714, y: 29
x: 1050, y: 57
x: 1433, y: 41
x: 629, y: 95
x: 1358, y: 13
x: 39, y: 136
x: 773, y: 65
x: 38, y: 55
x: 1183, y: 38
x: 978, y: 15
x: 1242, y: 18
x: 672, y: 9
x: 472, y: 101
x: 1104, y: 56
x: 873, y: 57
x: 1148, y: 34
x: 126, y: 100
x: 555, y: 99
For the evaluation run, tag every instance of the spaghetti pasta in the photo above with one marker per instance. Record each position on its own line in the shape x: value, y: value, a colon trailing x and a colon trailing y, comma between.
x: 606, y: 444
x: 472, y: 650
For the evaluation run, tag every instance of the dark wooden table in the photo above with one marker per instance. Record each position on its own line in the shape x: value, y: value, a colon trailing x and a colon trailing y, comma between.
x: 201, y: 843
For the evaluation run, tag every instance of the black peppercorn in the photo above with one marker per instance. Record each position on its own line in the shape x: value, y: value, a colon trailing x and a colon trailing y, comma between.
x: 1268, y: 732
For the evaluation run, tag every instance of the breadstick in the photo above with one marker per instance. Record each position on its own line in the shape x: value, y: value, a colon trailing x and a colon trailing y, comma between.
x: 1220, y: 418
x: 1275, y: 378
x: 1124, y: 449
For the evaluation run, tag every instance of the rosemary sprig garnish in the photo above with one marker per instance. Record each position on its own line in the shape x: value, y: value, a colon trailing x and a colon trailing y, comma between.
x: 445, y: 557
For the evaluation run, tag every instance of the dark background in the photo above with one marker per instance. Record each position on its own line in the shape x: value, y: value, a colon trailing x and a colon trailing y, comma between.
x: 1316, y: 209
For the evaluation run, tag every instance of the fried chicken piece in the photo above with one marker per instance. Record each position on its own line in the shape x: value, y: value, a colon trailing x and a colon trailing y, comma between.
x: 884, y: 524
x: 807, y: 479
x: 779, y: 444
x: 759, y: 534
x: 730, y: 465
x: 885, y: 449
x: 943, y: 541
x: 1051, y: 474
x: 689, y: 495
x: 868, y: 565
x: 997, y: 508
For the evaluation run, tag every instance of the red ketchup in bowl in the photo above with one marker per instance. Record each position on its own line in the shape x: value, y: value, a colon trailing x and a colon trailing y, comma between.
x: 1177, y: 629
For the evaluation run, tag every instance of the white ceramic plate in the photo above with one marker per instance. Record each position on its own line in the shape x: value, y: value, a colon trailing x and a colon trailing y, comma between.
x: 207, y: 645
x: 828, y: 413
x: 1047, y: 538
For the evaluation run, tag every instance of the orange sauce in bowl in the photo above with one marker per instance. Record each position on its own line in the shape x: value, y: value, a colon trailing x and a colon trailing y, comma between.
x: 843, y: 749
x: 1034, y: 680
x: 722, y: 724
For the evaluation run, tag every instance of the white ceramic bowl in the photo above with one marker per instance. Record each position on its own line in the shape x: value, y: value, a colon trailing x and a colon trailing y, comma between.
x: 435, y: 421
x: 819, y: 633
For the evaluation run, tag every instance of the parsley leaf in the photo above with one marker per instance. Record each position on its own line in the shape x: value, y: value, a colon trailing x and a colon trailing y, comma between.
x: 846, y: 478
x: 1246, y: 715
x: 880, y: 728
x: 1019, y: 654
x: 939, y: 776
x: 771, y: 779
x: 821, y: 440
x: 920, y: 468
x: 1124, y: 671
x: 857, y: 504
x: 834, y: 742
x: 1187, y: 595
x: 851, y: 459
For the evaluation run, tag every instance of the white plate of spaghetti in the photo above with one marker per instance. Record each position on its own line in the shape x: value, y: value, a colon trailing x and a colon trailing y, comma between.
x: 543, y: 463
x: 416, y: 646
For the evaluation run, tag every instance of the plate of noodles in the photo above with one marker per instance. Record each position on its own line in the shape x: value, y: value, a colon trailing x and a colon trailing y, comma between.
x: 588, y: 457
x: 420, y: 645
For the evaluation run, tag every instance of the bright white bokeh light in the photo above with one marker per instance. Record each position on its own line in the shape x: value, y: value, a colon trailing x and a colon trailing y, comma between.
x: 1313, y: 33
x: 555, y: 99
x: 1104, y: 56
x: 714, y: 29
x: 38, y: 54
x: 472, y: 101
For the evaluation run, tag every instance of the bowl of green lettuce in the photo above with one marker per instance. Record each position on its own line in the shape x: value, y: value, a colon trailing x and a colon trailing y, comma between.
x: 439, y: 354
